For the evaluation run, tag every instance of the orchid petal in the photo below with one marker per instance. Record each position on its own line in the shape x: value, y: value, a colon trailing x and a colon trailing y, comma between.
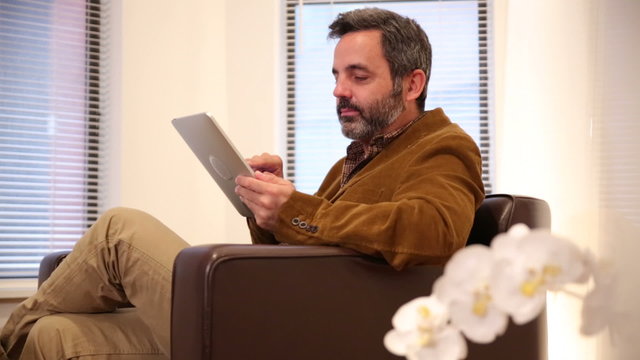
x: 397, y: 342
x: 480, y: 329
x: 449, y: 345
x: 507, y: 288
x: 468, y: 270
x: 597, y: 310
x: 423, y: 311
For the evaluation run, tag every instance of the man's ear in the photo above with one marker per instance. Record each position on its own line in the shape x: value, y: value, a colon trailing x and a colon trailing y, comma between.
x: 414, y: 83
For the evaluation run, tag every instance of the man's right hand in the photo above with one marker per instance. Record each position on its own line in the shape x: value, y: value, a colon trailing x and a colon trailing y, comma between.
x: 268, y: 163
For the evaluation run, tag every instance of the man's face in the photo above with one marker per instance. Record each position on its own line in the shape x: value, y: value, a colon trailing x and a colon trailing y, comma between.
x: 365, y: 98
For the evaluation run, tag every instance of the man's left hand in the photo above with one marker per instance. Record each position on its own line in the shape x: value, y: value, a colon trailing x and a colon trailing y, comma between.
x: 264, y: 195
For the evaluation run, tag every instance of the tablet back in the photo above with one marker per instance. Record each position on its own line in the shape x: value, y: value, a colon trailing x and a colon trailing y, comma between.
x: 216, y: 152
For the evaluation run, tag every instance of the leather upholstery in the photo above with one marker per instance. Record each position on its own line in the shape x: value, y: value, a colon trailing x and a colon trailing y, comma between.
x: 314, y: 302
x: 498, y: 212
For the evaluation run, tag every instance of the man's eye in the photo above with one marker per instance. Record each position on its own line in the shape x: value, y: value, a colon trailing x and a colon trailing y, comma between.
x: 361, y: 78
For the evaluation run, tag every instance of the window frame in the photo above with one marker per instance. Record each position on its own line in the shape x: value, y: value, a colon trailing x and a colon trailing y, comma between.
x: 486, y: 136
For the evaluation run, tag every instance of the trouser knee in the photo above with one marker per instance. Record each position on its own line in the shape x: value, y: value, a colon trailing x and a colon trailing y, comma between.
x: 120, y: 335
x: 45, y: 340
x: 123, y: 215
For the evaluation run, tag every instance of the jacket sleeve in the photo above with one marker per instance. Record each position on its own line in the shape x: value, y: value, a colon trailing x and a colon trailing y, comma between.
x: 423, y: 217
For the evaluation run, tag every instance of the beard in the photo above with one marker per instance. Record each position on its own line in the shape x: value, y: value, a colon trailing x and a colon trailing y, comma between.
x: 372, y: 118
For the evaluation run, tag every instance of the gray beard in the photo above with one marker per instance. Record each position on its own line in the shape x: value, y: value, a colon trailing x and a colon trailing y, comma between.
x: 379, y: 115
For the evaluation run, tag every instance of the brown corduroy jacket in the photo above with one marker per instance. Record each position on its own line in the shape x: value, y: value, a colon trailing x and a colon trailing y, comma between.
x: 412, y: 204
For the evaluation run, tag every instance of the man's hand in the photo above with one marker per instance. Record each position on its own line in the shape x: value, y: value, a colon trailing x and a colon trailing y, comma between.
x: 267, y: 163
x: 264, y: 195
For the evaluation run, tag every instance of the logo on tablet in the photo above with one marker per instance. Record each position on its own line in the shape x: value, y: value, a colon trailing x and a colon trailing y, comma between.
x: 220, y: 168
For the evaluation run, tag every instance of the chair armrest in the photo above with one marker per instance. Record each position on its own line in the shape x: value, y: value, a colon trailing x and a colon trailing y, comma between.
x: 303, y: 302
x: 278, y: 301
x: 49, y: 263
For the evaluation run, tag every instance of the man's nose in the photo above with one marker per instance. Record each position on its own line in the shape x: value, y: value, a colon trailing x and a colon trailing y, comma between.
x: 341, y: 90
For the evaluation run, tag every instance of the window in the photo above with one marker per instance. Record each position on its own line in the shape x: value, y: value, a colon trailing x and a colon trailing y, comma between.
x: 459, y: 35
x: 616, y: 126
x: 50, y: 120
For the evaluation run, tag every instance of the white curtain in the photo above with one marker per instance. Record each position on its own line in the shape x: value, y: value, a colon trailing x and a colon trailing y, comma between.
x: 568, y: 91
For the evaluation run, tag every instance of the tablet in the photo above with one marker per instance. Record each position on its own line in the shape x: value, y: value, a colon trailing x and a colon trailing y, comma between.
x: 216, y: 152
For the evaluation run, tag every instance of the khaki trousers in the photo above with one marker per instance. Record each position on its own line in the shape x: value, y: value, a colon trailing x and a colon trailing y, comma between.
x: 126, y: 256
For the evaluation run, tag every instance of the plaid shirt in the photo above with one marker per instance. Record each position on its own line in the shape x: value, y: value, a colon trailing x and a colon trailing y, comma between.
x: 359, y: 154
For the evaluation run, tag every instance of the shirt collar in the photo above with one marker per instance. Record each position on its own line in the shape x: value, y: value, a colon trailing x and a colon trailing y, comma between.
x: 359, y: 153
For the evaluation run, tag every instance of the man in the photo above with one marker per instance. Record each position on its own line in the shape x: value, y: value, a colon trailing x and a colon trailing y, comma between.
x: 406, y: 191
x: 411, y: 181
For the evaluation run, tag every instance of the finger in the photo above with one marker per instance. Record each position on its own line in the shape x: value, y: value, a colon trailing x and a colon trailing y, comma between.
x: 266, y: 162
x: 247, y: 196
x: 257, y: 202
x: 268, y: 177
x: 254, y: 182
x: 256, y: 190
x: 254, y: 162
x: 256, y: 209
x: 250, y: 184
x: 262, y: 183
x: 242, y: 180
x: 242, y: 191
x: 262, y: 159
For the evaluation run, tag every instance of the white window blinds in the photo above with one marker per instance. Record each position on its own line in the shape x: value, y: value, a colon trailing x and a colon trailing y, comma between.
x: 616, y: 126
x: 460, y: 82
x: 51, y: 99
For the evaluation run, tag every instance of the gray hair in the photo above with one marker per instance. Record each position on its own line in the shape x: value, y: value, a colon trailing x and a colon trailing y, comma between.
x: 405, y: 45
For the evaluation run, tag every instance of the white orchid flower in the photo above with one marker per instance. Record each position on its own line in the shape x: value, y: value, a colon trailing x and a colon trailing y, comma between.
x: 421, y: 331
x: 464, y: 286
x: 598, y: 311
x: 448, y: 344
x: 527, y: 264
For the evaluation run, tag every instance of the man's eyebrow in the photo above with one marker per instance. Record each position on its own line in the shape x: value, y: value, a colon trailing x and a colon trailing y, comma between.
x: 352, y: 67
x: 357, y: 67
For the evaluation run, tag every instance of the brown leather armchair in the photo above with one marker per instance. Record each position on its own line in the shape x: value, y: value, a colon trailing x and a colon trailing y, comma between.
x: 318, y: 302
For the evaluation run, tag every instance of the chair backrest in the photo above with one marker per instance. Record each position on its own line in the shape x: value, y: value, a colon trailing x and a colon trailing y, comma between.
x: 498, y: 212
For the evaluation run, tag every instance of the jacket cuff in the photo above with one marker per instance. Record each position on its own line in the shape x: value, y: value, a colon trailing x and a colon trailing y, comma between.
x: 296, y: 220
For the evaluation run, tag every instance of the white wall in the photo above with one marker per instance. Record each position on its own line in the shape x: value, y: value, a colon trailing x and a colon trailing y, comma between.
x: 177, y: 58
x: 173, y: 58
x: 543, y: 138
x: 565, y: 70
